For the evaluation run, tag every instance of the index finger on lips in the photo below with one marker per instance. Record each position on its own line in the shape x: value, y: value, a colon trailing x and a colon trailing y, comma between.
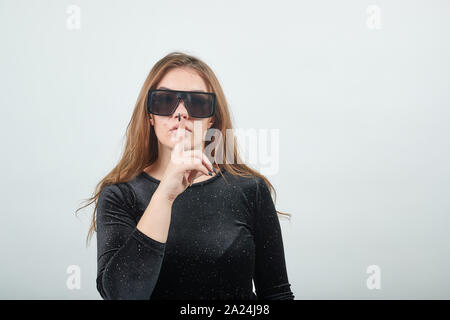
x: 180, y: 130
x: 179, y: 138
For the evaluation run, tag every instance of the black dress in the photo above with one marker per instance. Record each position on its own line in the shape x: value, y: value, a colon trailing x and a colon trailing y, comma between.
x: 223, y: 233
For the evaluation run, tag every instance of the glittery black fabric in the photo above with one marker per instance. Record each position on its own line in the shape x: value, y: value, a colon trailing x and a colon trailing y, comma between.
x: 223, y: 233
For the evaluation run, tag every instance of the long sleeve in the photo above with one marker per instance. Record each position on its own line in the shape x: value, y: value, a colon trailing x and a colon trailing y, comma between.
x: 270, y: 277
x: 128, y: 261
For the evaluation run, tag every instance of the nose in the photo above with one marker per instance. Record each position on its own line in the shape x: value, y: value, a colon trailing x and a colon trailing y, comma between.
x: 180, y: 109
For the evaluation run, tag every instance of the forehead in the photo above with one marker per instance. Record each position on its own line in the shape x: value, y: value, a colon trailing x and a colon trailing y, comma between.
x: 182, y: 79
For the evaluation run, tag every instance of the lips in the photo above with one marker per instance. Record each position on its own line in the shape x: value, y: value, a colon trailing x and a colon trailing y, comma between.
x: 175, y: 127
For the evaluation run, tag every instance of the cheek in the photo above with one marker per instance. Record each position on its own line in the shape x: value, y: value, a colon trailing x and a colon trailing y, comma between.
x: 160, y: 124
x: 161, y: 131
x: 201, y: 126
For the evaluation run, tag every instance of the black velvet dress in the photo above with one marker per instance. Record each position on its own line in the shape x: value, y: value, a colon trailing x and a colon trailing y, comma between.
x: 224, y: 233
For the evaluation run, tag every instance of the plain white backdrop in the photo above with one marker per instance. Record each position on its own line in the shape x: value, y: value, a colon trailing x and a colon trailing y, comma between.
x: 362, y: 104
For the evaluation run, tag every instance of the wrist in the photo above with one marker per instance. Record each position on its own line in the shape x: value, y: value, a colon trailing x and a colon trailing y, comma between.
x: 162, y: 196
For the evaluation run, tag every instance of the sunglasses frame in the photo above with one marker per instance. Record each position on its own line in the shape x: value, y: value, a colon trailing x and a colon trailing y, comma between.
x: 180, y: 95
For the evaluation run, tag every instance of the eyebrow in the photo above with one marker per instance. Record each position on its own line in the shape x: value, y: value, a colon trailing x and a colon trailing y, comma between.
x: 186, y: 90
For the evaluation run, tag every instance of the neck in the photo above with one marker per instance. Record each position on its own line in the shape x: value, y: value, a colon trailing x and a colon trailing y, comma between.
x: 158, y: 168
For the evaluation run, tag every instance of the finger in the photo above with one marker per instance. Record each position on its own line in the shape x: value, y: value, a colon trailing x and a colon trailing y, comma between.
x: 193, y: 175
x: 187, y: 177
x: 199, y: 154
x: 180, y: 142
x: 207, y: 161
x: 195, y: 164
x: 181, y: 129
x: 176, y: 155
x: 183, y: 137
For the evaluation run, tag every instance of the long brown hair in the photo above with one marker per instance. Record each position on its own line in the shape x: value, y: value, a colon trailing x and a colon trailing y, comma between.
x: 141, y: 146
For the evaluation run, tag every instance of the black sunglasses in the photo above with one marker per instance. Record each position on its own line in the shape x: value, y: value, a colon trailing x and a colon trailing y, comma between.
x: 164, y: 102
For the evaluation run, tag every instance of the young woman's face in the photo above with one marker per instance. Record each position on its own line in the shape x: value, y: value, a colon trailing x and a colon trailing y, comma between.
x: 183, y: 79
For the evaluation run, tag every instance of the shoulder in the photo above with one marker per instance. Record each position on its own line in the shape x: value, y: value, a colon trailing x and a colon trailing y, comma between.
x: 133, y: 195
x: 250, y: 183
x: 252, y: 187
x: 118, y: 194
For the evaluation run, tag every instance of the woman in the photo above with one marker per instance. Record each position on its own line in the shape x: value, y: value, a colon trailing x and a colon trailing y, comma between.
x: 173, y: 223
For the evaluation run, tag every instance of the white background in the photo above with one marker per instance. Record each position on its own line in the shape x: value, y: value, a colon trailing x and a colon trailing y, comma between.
x: 363, y: 116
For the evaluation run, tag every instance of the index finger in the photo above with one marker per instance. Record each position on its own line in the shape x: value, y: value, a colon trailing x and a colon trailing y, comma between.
x: 181, y: 130
x: 180, y: 138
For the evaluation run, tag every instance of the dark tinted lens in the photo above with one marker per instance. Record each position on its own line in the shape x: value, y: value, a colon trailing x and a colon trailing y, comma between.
x: 201, y: 105
x: 162, y: 103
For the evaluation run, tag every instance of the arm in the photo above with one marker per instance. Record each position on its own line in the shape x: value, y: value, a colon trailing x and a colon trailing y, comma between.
x: 129, y: 261
x: 271, y: 280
